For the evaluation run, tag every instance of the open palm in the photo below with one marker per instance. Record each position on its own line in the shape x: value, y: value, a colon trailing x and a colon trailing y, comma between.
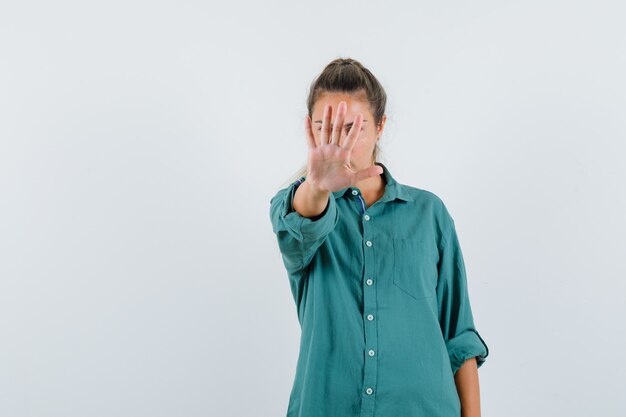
x: 329, y: 158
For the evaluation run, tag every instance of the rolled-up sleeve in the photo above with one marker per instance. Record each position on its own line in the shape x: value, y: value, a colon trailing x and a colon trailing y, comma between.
x: 299, y: 237
x: 455, y: 313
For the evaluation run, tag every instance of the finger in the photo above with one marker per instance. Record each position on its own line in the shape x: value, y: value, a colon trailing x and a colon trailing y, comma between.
x: 354, y: 133
x: 311, y: 141
x: 368, y: 172
x: 325, y: 136
x: 338, y: 126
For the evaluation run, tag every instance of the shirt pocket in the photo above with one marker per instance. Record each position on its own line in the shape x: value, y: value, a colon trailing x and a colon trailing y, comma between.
x: 414, y: 271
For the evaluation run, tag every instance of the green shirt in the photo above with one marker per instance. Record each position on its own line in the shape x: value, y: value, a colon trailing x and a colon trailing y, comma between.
x: 382, y: 301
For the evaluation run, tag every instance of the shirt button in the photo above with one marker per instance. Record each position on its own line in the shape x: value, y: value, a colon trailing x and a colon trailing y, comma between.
x: 369, y: 390
x: 355, y: 192
x: 366, y: 217
x: 368, y: 243
x: 369, y: 281
x: 371, y: 353
x: 370, y: 317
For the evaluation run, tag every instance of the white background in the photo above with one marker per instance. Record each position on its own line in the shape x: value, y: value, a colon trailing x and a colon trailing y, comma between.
x: 141, y: 142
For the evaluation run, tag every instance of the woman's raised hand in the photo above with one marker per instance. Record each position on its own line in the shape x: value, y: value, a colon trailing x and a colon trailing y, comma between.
x: 329, y: 157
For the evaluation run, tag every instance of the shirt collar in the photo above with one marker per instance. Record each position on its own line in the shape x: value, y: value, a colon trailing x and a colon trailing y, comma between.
x: 393, y: 189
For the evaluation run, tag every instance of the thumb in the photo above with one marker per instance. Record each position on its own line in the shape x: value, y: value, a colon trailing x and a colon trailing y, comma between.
x: 368, y: 172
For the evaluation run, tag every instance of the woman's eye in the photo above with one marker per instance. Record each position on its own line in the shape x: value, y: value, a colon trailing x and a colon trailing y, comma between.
x: 347, y: 129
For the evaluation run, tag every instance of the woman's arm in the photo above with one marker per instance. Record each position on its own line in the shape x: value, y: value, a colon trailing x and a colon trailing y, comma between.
x: 310, y: 201
x: 466, y: 348
x: 300, y: 236
x: 466, y: 379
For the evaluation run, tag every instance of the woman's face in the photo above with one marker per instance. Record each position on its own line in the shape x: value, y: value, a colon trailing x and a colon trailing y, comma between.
x: 361, y: 156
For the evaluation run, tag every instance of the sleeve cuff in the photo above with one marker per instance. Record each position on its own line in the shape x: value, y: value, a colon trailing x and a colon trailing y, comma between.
x: 466, y: 345
x: 305, y: 228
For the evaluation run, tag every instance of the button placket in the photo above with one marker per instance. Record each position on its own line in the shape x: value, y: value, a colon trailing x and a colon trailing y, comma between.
x: 369, y: 306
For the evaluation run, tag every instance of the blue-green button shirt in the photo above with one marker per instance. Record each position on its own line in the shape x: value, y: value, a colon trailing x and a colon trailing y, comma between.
x: 382, y: 301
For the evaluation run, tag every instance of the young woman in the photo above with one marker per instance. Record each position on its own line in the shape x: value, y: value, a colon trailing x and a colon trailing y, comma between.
x: 375, y: 269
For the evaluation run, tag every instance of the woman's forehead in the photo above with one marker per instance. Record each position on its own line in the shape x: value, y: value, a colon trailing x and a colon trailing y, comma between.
x: 354, y: 105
